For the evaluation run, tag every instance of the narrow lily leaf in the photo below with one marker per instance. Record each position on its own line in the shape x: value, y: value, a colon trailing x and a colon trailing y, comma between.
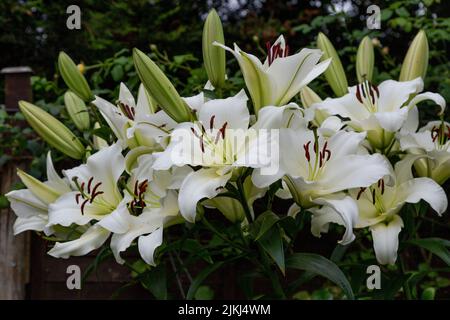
x: 272, y: 243
x: 267, y: 220
x: 201, y: 277
x: 322, y: 266
x: 365, y: 60
x: 437, y: 246
x: 335, y: 73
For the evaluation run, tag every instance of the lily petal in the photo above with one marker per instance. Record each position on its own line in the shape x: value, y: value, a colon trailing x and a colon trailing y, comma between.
x: 204, y: 183
x: 385, y: 240
x: 92, y: 239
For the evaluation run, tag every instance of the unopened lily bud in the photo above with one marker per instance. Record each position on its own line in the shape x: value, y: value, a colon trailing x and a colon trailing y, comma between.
x: 214, y: 56
x: 77, y: 110
x: 160, y: 88
x: 73, y: 77
x: 52, y: 130
x: 335, y: 73
x: 416, y: 59
x: 99, y: 143
x: 38, y: 188
x: 308, y: 98
x: 365, y: 60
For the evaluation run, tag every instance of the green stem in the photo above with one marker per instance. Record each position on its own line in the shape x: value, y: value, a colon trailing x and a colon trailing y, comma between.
x: 243, y: 198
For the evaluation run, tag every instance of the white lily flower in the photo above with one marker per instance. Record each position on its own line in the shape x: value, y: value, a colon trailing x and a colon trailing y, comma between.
x: 31, y: 205
x: 380, y: 111
x: 380, y: 204
x: 97, y: 197
x: 276, y: 81
x: 317, y: 169
x: 219, y: 141
x: 151, y: 200
x: 134, y: 124
x: 432, y: 140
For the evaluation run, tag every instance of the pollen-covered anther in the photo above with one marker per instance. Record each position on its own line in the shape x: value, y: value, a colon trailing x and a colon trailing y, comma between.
x: 381, y: 185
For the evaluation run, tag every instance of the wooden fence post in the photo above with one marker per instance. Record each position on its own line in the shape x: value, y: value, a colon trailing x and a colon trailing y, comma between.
x: 14, y: 250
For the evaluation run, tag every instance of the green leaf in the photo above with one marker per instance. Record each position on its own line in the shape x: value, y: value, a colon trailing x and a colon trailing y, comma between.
x: 322, y: 266
x: 428, y: 294
x: 195, y: 285
x: 267, y: 220
x: 117, y: 72
x: 436, y: 246
x: 272, y: 244
x: 204, y: 293
x: 155, y: 281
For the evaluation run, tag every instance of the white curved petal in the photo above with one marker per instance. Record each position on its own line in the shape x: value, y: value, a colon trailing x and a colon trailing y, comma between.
x: 195, y: 102
x: 288, y: 116
x: 204, y: 183
x: 125, y: 96
x: 54, y: 180
x: 115, y: 119
x: 392, y: 121
x: 66, y: 211
x: 417, y: 189
x: 385, y: 240
x: 148, y: 244
x: 92, y: 239
x: 353, y: 171
x: 346, y: 106
x: 35, y: 223
x: 437, y: 98
x: 117, y: 221
x: 393, y: 94
x: 25, y: 204
x: 412, y: 121
x: 342, y: 211
x: 233, y: 111
x: 344, y: 143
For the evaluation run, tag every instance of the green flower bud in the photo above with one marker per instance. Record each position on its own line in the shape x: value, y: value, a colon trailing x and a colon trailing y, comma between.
x: 214, y: 56
x: 160, y: 88
x: 73, y: 77
x: 38, y: 188
x: 335, y: 73
x: 52, y: 130
x: 308, y: 98
x: 77, y: 110
x: 416, y: 59
x: 365, y: 60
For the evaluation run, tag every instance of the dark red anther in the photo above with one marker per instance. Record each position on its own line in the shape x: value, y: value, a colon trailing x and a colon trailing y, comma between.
x: 358, y: 94
x: 320, y: 159
x: 136, y: 188
x: 448, y: 132
x: 211, y: 122
x: 143, y: 186
x: 96, y: 187
x: 77, y: 197
x: 434, y: 133
x: 382, y: 186
x: 306, y: 148
x: 89, y: 184
x: 363, y: 91
x: 373, y: 196
x: 82, y: 186
x: 83, y: 205
x: 326, y: 151
x: 222, y: 130
x: 371, y: 94
x: 376, y: 90
x: 202, y: 145
x: 94, y: 195
x: 286, y: 51
x: 361, y: 190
